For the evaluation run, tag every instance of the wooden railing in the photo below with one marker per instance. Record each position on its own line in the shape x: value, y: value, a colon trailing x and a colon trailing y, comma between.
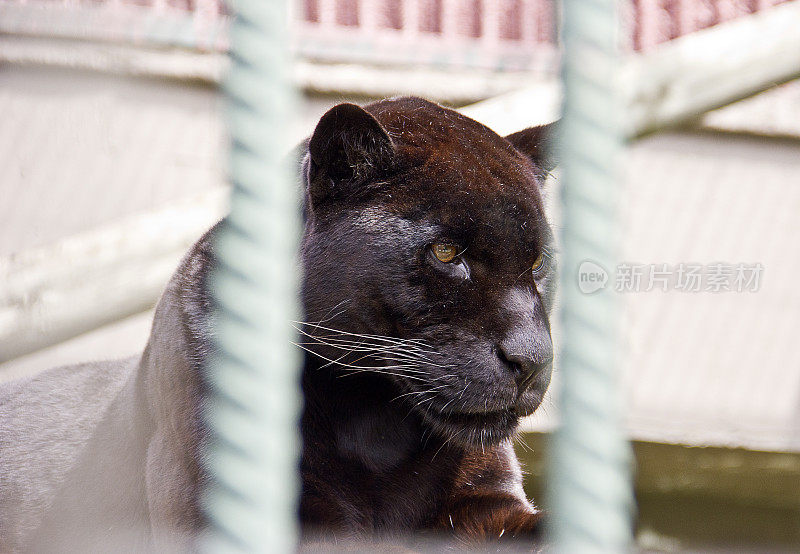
x: 652, y: 22
x: 493, y: 34
x: 501, y: 34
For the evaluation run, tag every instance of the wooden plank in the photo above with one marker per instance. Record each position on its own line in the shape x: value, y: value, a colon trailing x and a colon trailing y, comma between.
x: 454, y: 86
x: 125, y: 59
x: 514, y: 111
x: 709, y: 69
x: 51, y: 294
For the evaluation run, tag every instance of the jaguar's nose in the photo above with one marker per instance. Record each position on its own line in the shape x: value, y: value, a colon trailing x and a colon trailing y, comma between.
x: 527, y: 359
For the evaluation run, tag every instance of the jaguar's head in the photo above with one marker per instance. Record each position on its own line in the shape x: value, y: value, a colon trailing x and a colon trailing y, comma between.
x: 428, y: 261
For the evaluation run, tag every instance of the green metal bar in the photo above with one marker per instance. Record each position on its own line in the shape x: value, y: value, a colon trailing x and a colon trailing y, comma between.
x: 590, y: 491
x: 254, y: 409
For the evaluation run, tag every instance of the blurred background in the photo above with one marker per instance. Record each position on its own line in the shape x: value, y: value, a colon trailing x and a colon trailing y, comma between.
x: 112, y: 163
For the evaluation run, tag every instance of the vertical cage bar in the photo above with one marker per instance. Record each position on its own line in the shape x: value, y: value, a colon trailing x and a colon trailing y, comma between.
x: 254, y: 403
x: 590, y: 490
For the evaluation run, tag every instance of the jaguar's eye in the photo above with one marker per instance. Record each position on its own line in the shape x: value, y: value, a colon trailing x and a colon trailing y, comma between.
x: 538, y: 263
x: 445, y: 253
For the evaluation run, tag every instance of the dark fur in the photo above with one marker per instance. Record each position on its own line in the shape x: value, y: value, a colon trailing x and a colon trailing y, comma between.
x: 414, y: 443
x: 382, y: 456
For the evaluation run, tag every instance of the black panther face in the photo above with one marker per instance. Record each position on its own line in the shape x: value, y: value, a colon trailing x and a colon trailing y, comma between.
x: 428, y: 260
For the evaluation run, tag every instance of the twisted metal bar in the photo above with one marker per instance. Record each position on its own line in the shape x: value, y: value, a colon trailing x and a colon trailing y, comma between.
x: 254, y: 408
x: 590, y: 492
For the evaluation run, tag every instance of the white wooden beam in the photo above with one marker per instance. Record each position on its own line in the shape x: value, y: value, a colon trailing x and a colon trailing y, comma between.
x: 702, y: 71
x: 82, y: 282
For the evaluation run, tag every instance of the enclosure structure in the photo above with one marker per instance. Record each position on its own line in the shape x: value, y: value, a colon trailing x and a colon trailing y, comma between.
x: 31, y: 295
x: 187, y: 40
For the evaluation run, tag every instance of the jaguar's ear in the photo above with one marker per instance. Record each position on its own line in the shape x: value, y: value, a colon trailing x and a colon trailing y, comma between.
x: 538, y: 144
x: 348, y: 147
